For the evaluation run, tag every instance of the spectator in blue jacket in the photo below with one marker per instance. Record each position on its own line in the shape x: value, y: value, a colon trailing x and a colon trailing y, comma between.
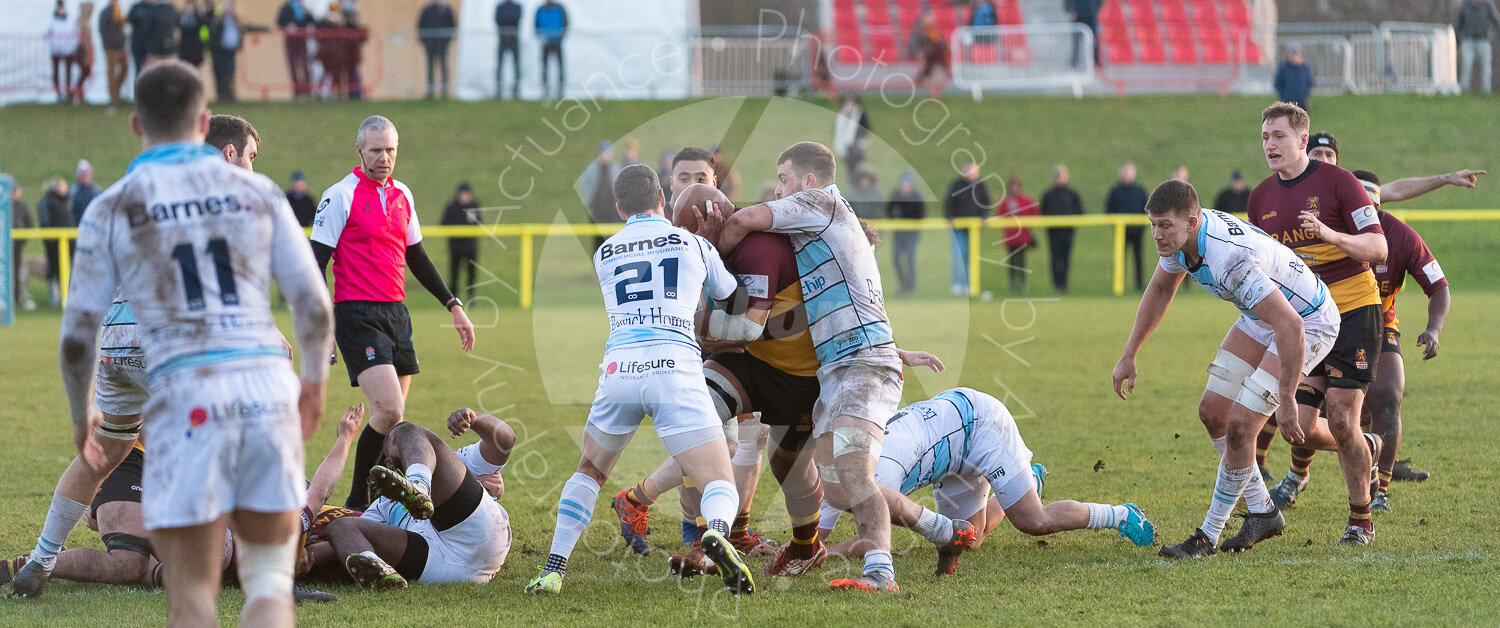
x: 1128, y: 197
x: 1294, y: 80
x: 551, y: 24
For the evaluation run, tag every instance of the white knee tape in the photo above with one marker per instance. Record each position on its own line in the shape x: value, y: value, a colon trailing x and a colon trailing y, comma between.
x: 847, y: 440
x: 1261, y: 393
x: 266, y: 571
x: 828, y: 474
x: 1227, y: 373
x: 751, y: 440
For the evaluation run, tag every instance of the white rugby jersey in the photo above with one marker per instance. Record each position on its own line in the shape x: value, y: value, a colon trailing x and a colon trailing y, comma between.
x: 653, y: 276
x: 934, y: 438
x: 121, y: 335
x: 193, y: 243
x: 840, y: 277
x: 1241, y: 264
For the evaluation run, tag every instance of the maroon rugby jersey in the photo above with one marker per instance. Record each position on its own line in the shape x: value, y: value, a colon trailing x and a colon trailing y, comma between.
x: 1406, y: 254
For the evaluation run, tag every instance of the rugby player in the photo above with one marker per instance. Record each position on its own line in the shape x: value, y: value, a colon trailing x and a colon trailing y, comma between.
x: 1323, y: 213
x: 371, y: 251
x: 224, y: 408
x: 653, y: 275
x: 1324, y: 147
x: 432, y: 521
x: 1287, y: 325
x: 860, y: 371
x: 690, y: 165
x: 966, y: 442
x: 119, y: 393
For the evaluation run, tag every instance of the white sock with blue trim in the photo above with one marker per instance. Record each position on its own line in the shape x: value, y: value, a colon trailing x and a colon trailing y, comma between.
x: 1227, y: 490
x: 420, y: 475
x: 721, y: 501
x: 574, y: 511
x: 935, y: 527
x: 62, y: 517
x: 878, y: 563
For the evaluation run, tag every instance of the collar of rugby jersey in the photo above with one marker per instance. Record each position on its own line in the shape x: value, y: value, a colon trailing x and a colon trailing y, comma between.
x: 645, y: 216
x: 173, y: 153
x: 364, y: 181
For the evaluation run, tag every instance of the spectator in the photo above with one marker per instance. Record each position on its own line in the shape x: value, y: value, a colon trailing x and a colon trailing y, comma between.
x: 339, y: 39
x: 1473, y: 28
x: 598, y: 186
x: 664, y: 174
x: 1061, y: 200
x: 20, y: 218
x: 1180, y: 173
x: 190, y: 25
x: 928, y: 46
x: 1017, y: 239
x: 62, y: 42
x: 112, y: 37
x: 729, y: 178
x: 354, y: 42
x: 1128, y: 197
x: 54, y: 210
x: 224, y: 39
x: 864, y: 196
x: 1294, y: 80
x: 906, y: 204
x: 161, y: 38
x: 984, y: 14
x: 551, y: 24
x: 632, y: 154
x: 508, y: 21
x: 850, y: 133
x: 1235, y: 198
x: 435, y: 28
x: 463, y: 253
x: 296, y: 23
x: 84, y: 57
x: 84, y: 189
x: 1085, y: 12
x: 139, y: 19
x: 968, y: 197
x: 304, y: 206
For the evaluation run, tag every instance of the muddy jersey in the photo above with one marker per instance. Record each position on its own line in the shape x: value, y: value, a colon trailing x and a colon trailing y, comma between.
x: 766, y: 266
x: 653, y: 276
x: 1339, y: 201
x: 193, y: 243
x: 1242, y: 265
x: 1406, y: 254
x: 840, y: 278
x: 121, y: 335
x: 942, y: 436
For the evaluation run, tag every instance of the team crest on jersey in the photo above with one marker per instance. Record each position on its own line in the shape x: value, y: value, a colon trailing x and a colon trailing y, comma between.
x: 1312, y: 204
x: 1380, y: 269
x: 1359, y: 360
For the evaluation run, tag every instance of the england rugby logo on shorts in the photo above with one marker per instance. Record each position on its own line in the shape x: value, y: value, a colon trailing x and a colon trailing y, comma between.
x: 1359, y: 360
x: 369, y: 354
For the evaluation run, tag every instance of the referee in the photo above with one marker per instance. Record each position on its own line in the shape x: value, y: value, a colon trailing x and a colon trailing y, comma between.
x: 367, y: 226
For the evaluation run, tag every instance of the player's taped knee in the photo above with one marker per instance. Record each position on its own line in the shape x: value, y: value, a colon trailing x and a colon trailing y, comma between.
x: 848, y: 440
x: 1261, y: 393
x: 828, y: 474
x: 726, y: 397
x: 118, y: 431
x: 1309, y: 396
x: 127, y: 542
x: 266, y: 571
x: 1227, y: 373
x: 751, y: 441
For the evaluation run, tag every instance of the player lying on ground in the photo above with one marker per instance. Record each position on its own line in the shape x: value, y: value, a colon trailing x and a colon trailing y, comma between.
x: 966, y: 442
x: 432, y: 521
x: 1287, y: 324
x: 652, y: 276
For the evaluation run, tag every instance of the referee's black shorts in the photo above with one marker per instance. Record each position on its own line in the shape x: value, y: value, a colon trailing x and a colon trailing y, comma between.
x: 371, y: 333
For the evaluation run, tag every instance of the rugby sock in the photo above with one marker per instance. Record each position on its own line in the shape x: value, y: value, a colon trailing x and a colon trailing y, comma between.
x: 693, y: 522
x: 62, y: 517
x: 935, y: 527
x: 1359, y: 515
x: 366, y: 452
x: 639, y: 496
x: 1257, y: 496
x: 1385, y: 481
x: 878, y: 563
x: 721, y: 500
x: 803, y: 510
x: 1227, y: 490
x: 741, y: 524
x: 1263, y: 441
x: 420, y: 475
x: 1221, y: 445
x: 1302, y: 458
x: 1106, y: 516
x: 574, y: 511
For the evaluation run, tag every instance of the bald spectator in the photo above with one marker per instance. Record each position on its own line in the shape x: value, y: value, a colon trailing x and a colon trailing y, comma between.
x: 1128, y: 197
x: 84, y: 189
x: 1061, y: 200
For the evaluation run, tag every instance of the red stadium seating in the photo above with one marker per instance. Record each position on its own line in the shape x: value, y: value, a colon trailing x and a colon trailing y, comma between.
x: 846, y: 32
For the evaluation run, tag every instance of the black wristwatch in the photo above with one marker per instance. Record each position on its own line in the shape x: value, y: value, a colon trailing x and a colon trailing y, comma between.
x: 453, y: 303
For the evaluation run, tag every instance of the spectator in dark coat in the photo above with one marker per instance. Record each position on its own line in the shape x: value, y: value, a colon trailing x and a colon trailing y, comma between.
x: 190, y: 25
x: 225, y: 36
x: 296, y: 23
x: 20, y: 218
x: 967, y: 197
x: 1234, y: 199
x: 161, y: 40
x: 1061, y: 200
x: 864, y: 196
x: 906, y: 204
x: 435, y: 28
x: 551, y: 24
x: 463, y: 253
x: 304, y: 205
x: 1085, y: 12
x: 139, y: 19
x: 1128, y: 197
x: 83, y: 191
x: 55, y: 210
x: 598, y: 186
x: 1294, y: 80
x: 508, y: 21
x: 112, y: 38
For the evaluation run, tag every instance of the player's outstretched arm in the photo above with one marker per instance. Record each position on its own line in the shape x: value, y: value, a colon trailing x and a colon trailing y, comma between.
x: 1437, y: 316
x: 326, y: 478
x: 742, y: 223
x: 1412, y: 187
x: 1291, y: 347
x: 1154, y: 302
x: 79, y: 357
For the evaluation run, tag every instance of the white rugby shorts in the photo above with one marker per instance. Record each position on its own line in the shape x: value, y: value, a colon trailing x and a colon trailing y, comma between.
x: 471, y: 551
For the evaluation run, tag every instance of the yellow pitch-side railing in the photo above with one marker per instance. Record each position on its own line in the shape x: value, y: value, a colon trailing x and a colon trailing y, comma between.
x: 528, y: 232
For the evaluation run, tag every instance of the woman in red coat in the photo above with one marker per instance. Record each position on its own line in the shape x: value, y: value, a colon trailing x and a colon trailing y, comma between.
x: 1017, y: 239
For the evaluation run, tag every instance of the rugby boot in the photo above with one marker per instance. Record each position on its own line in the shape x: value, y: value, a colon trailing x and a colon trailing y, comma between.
x: 632, y: 522
x: 1136, y: 528
x: 732, y: 570
x: 1257, y: 527
x: 1403, y: 472
x: 1196, y: 546
x: 373, y: 573
x: 396, y: 487
x: 788, y: 565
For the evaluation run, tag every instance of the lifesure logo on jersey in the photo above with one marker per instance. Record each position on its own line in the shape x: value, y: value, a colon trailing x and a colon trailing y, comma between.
x: 610, y: 250
x: 141, y: 216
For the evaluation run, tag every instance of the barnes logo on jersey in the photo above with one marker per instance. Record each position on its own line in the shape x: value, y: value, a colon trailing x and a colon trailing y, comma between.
x: 610, y: 250
x: 140, y: 216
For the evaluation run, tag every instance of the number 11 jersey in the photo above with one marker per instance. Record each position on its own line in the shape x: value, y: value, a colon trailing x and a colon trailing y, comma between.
x: 653, y: 276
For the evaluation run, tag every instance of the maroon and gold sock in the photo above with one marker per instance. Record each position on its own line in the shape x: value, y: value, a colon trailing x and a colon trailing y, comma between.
x: 803, y: 509
x: 1302, y: 458
x: 1385, y: 481
x: 637, y: 495
x: 1359, y: 515
x: 741, y: 524
x: 1263, y: 442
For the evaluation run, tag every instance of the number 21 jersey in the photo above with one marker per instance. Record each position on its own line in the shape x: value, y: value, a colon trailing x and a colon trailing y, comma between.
x: 653, y: 276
